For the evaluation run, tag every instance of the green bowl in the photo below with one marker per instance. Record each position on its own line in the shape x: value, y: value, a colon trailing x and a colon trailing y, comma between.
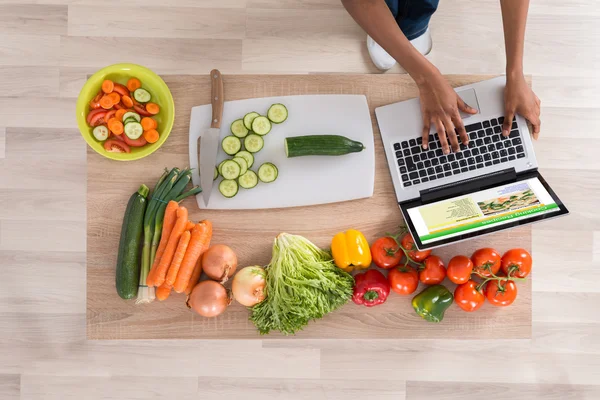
x: 120, y: 73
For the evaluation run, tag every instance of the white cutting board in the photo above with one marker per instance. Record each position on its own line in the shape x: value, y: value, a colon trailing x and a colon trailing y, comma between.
x: 302, y: 181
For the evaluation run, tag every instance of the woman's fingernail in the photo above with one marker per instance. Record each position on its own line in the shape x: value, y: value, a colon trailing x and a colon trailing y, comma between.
x: 446, y: 151
x: 424, y: 146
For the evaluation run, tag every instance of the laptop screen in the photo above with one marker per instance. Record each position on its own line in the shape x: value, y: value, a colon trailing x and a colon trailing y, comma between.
x: 525, y: 200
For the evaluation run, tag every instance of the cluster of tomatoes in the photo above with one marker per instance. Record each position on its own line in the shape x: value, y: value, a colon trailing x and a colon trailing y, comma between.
x: 408, y: 266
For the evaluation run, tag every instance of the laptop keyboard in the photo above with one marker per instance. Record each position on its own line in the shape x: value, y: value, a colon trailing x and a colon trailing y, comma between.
x: 486, y: 147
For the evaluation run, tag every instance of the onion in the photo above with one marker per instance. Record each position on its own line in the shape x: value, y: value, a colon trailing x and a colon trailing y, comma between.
x: 209, y: 299
x: 219, y: 262
x: 248, y: 286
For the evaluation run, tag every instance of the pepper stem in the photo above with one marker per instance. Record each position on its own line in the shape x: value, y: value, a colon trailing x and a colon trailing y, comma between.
x: 370, y: 295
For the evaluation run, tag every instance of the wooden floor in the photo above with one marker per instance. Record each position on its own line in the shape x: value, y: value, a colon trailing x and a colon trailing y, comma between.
x: 46, y: 50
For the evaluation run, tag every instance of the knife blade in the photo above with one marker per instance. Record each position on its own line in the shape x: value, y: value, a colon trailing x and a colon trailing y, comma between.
x: 209, y: 139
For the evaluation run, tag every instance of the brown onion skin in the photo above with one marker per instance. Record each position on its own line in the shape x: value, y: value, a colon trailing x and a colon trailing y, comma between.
x: 209, y: 299
x: 255, y: 277
x: 219, y: 262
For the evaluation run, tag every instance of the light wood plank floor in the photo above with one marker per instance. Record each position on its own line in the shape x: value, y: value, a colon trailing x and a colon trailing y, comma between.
x: 46, y: 49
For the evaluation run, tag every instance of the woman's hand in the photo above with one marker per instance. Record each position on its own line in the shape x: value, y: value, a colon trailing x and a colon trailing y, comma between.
x: 440, y: 107
x: 520, y: 99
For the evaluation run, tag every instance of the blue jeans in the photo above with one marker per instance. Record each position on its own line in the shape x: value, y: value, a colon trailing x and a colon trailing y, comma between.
x: 412, y: 15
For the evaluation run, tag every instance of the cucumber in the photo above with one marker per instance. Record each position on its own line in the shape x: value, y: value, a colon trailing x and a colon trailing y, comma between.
x: 100, y: 133
x: 216, y: 174
x: 248, y: 118
x: 131, y: 114
x: 231, y: 145
x: 133, y: 130
x: 220, y: 165
x: 261, y: 125
x: 242, y: 163
x: 246, y: 156
x: 127, y: 274
x: 253, y: 143
x: 321, y: 145
x: 238, y: 129
x: 228, y: 188
x: 230, y: 169
x: 248, y: 180
x: 277, y: 113
x: 267, y: 172
x: 130, y: 119
x: 142, y: 95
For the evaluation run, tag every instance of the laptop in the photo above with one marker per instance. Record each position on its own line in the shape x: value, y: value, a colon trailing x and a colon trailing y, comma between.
x: 490, y: 185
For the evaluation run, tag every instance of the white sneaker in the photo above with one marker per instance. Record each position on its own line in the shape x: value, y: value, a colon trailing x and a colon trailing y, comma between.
x: 423, y: 43
x: 384, y: 61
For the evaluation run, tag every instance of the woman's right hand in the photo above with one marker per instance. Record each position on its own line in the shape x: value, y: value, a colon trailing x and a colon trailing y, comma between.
x: 440, y: 106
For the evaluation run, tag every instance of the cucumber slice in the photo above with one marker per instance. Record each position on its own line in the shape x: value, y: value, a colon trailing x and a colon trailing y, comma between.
x: 248, y: 118
x: 253, y: 143
x: 230, y: 169
x: 277, y: 113
x: 219, y: 167
x: 261, y: 125
x: 133, y: 130
x: 267, y: 172
x: 238, y: 129
x: 248, y: 180
x: 216, y: 174
x: 142, y: 95
x: 246, y: 156
x: 243, y: 164
x: 100, y: 133
x: 228, y: 188
x: 131, y: 114
x: 231, y: 145
x: 130, y: 119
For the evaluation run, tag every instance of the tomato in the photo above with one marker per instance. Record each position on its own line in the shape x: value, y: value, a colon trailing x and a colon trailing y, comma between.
x: 121, y: 89
x: 459, y: 269
x: 486, y: 260
x: 434, y: 271
x: 95, y: 102
x: 116, y: 146
x: 139, y: 142
x: 109, y: 114
x: 409, y: 244
x: 403, y: 280
x: 386, y: 253
x: 140, y: 109
x: 501, y: 293
x: 96, y: 117
x: 516, y: 263
x: 468, y: 297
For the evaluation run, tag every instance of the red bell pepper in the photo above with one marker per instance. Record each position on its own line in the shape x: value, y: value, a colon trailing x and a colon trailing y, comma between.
x: 370, y: 288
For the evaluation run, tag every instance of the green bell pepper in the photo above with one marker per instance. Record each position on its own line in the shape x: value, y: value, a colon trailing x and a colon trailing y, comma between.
x: 432, y: 302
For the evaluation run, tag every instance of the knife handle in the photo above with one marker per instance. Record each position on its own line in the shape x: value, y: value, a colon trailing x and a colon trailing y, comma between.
x: 216, y: 100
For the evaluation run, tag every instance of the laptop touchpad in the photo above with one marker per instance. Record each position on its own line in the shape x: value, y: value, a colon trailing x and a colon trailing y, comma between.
x: 469, y: 97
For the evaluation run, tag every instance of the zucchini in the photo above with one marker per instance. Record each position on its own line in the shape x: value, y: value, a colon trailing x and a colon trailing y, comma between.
x: 267, y: 172
x: 238, y: 129
x: 242, y: 163
x: 133, y: 130
x: 131, y: 114
x: 228, y: 188
x: 100, y: 133
x: 321, y: 145
x: 246, y: 156
x: 248, y: 180
x: 127, y: 273
x: 277, y: 113
x: 261, y: 125
x: 142, y: 95
x: 248, y: 118
x: 253, y: 143
x: 231, y: 145
x: 230, y: 169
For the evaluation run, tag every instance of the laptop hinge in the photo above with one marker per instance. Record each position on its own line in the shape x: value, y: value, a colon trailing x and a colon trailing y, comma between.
x: 467, y: 186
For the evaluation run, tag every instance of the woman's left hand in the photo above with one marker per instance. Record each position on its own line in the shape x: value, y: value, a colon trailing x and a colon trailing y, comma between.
x: 520, y: 99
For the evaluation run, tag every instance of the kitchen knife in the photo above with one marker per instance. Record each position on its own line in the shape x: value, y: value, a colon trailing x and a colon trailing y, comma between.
x: 210, y: 138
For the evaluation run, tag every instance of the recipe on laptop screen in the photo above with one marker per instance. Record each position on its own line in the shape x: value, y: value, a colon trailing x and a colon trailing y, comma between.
x: 481, y: 210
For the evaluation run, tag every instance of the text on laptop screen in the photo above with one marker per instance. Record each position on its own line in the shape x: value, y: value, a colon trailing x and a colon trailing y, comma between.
x: 480, y: 210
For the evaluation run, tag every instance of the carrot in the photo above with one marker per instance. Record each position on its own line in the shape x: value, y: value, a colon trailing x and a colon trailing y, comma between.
x: 184, y: 241
x: 163, y: 291
x: 167, y: 257
x: 133, y: 84
x: 148, y: 123
x: 106, y: 102
x: 191, y: 267
x: 190, y: 225
x: 151, y: 136
x: 115, y: 126
x: 108, y: 86
x: 114, y: 97
x: 121, y: 89
x: 127, y: 102
x: 152, y: 108
x: 119, y: 114
x: 168, y: 222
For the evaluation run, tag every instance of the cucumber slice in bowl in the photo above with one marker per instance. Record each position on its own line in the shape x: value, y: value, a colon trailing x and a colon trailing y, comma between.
x: 230, y: 169
x: 277, y: 113
x: 261, y: 125
x: 267, y: 172
x: 133, y: 130
x: 238, y: 129
x: 242, y: 163
x: 248, y: 180
x: 100, y: 133
x: 231, y: 145
x: 246, y: 156
x: 248, y: 118
x: 253, y: 143
x: 142, y: 95
x: 228, y: 187
x: 131, y: 114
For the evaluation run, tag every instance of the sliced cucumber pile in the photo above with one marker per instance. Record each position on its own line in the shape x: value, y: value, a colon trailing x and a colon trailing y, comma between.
x: 246, y: 139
